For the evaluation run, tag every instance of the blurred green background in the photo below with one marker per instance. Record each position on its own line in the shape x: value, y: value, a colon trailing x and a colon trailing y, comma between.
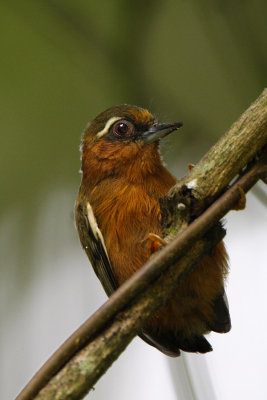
x: 63, y: 62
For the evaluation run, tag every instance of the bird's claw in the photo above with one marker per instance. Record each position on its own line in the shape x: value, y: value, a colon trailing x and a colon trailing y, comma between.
x: 155, y: 242
x: 241, y: 203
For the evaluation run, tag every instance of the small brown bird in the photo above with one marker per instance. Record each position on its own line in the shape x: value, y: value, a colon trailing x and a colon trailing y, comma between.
x: 117, y: 210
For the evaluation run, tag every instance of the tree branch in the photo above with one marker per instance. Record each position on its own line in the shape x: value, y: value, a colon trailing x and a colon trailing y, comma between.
x: 225, y: 160
x: 114, y: 325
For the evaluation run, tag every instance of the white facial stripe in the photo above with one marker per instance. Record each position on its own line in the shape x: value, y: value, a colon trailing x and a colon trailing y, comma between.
x: 107, y: 126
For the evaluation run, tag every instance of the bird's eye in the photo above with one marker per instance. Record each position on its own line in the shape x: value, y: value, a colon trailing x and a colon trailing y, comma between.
x: 123, y: 128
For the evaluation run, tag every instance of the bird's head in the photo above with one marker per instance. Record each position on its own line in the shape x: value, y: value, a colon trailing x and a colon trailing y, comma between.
x: 121, y: 138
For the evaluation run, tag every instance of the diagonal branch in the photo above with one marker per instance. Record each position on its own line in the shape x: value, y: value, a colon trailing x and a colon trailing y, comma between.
x: 115, y: 324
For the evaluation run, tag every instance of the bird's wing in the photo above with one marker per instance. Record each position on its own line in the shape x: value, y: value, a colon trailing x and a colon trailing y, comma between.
x: 93, y: 243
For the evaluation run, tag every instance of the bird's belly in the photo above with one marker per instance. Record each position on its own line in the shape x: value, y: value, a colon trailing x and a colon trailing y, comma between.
x: 190, y: 309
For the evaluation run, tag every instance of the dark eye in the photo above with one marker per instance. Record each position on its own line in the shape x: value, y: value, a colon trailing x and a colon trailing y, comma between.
x: 123, y: 128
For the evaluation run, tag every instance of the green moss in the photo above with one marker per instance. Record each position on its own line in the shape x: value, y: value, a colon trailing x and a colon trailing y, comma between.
x: 87, y: 366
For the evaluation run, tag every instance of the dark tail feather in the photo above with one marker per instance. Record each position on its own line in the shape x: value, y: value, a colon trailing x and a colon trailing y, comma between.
x: 171, y: 344
x: 222, y: 321
x: 195, y: 344
x: 162, y: 343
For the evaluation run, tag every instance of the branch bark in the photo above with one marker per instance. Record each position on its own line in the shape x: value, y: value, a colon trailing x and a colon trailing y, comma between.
x: 210, y: 177
x: 114, y: 325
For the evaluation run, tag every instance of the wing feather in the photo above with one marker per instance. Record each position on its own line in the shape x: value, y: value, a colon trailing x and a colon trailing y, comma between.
x: 93, y: 243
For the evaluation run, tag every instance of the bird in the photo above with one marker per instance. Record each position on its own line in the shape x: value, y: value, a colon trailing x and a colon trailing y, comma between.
x: 118, y: 213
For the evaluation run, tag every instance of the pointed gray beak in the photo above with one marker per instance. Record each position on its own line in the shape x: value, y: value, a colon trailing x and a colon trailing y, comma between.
x: 159, y: 131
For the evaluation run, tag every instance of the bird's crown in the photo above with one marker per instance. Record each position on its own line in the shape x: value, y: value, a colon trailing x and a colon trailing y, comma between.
x: 120, y: 122
x: 124, y: 123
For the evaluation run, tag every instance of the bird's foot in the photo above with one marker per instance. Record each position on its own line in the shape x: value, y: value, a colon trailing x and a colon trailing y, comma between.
x: 155, y: 242
x: 241, y: 203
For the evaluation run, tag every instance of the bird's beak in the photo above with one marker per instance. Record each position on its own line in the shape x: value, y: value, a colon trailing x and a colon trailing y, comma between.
x: 159, y: 131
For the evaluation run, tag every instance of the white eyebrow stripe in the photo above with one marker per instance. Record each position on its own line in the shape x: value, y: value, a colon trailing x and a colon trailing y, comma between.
x: 107, y: 126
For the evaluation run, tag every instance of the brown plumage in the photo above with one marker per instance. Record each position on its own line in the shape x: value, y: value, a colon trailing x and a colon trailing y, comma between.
x: 123, y: 180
